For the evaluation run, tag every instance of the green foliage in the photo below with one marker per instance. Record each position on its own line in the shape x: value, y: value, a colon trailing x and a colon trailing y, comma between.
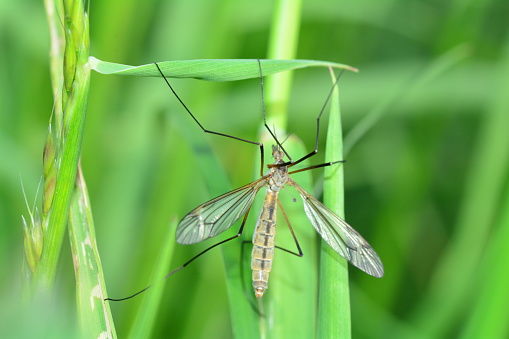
x: 425, y: 179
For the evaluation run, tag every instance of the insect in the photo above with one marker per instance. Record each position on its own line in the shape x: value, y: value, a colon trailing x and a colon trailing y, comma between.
x: 219, y: 214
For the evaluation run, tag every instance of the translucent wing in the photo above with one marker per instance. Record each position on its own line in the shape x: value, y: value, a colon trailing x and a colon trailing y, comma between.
x: 339, y: 235
x: 217, y: 215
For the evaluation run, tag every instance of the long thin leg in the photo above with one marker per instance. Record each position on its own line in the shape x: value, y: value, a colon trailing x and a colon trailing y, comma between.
x: 310, y: 154
x: 209, y: 131
x: 316, y: 166
x: 190, y: 260
x: 300, y: 254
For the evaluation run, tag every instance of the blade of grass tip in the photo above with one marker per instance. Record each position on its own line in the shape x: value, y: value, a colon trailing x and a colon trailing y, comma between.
x: 149, y: 308
x: 70, y: 134
x: 93, y: 312
x: 334, y: 319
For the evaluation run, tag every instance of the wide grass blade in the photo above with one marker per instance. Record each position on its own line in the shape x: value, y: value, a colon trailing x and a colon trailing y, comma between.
x: 334, y: 319
x: 210, y: 69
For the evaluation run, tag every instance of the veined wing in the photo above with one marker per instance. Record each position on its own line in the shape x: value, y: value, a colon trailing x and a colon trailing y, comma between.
x: 339, y: 235
x: 217, y: 215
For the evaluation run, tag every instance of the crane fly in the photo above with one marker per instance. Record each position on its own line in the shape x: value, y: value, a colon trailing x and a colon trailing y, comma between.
x: 219, y: 214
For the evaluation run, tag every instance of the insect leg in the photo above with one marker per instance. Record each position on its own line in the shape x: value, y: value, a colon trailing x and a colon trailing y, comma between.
x: 190, y: 260
x: 316, y: 166
x: 310, y: 154
x: 209, y: 131
x: 300, y: 254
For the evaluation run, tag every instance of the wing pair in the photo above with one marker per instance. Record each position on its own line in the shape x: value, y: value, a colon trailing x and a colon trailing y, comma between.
x: 219, y: 214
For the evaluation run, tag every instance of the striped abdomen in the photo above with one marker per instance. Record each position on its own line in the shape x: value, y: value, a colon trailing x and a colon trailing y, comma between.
x: 263, y: 244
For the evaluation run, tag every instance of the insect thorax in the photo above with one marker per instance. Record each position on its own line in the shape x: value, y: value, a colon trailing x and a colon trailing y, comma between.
x: 278, y: 177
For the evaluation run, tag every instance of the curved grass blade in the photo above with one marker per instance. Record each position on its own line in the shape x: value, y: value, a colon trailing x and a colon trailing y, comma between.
x: 210, y: 69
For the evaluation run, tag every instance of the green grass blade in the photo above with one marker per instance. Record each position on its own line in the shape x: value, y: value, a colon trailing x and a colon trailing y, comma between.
x: 334, y: 319
x: 93, y: 312
x: 210, y: 69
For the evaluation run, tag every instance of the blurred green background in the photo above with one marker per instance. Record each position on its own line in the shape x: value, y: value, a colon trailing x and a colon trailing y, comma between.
x: 426, y: 122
